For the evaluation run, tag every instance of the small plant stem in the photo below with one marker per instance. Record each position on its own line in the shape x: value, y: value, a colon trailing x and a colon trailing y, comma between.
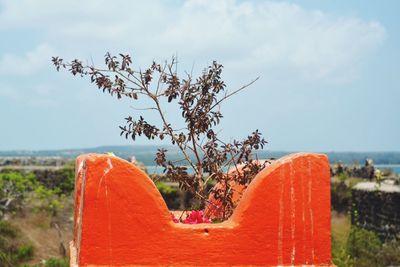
x: 170, y: 131
x: 224, y: 198
x: 234, y: 92
x: 199, y: 175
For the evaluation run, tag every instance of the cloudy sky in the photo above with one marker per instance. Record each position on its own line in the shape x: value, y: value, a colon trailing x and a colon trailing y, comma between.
x: 329, y: 70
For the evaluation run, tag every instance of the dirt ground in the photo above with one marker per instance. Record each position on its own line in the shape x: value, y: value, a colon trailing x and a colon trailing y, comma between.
x: 49, y: 235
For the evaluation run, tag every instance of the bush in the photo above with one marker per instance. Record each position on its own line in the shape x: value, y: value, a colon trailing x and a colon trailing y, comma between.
x: 18, y: 189
x: 391, y: 253
x: 7, y: 233
x: 364, y: 249
x: 14, y: 188
x: 62, y: 179
x: 340, y: 256
x: 165, y: 189
x: 170, y: 195
x: 25, y: 252
x: 12, y: 254
x: 48, y: 200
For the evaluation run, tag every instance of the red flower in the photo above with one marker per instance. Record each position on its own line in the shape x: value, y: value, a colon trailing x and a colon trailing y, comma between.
x: 194, y: 217
x: 174, y: 219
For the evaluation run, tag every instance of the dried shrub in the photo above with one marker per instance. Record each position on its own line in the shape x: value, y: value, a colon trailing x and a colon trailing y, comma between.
x: 199, y: 101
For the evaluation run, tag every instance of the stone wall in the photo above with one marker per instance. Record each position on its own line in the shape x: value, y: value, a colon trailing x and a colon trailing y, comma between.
x: 377, y: 208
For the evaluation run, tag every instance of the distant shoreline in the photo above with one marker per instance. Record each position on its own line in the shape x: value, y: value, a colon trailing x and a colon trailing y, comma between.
x: 146, y: 154
x: 394, y: 167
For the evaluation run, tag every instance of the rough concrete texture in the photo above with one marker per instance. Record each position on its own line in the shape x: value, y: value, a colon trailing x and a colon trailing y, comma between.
x: 283, y: 219
x: 376, y: 208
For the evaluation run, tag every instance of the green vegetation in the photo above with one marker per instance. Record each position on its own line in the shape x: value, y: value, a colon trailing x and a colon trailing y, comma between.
x: 61, y: 180
x: 362, y: 248
x: 165, y: 189
x: 49, y: 200
x: 170, y: 194
x: 52, y: 262
x: 23, y: 194
x: 12, y: 253
x: 353, y: 246
x: 14, y: 188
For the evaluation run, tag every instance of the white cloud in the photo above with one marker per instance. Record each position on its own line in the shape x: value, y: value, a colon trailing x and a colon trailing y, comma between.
x: 24, y: 65
x: 309, y: 44
x: 252, y: 35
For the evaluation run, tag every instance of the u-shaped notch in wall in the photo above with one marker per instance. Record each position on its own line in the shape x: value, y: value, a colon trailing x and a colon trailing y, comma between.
x: 283, y: 218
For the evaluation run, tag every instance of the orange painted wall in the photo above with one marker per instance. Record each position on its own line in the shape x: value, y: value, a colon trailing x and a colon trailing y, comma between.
x: 282, y: 219
x: 214, y: 206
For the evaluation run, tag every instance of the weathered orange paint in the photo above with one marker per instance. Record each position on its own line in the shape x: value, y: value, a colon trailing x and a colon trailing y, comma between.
x: 282, y: 219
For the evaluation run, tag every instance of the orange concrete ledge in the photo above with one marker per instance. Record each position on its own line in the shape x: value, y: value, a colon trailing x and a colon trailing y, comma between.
x: 283, y: 219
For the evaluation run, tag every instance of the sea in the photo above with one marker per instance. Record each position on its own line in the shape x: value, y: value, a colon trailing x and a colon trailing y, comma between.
x: 394, y: 167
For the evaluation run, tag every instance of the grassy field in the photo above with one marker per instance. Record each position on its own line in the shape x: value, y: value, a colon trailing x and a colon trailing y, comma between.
x: 49, y: 235
x: 341, y: 224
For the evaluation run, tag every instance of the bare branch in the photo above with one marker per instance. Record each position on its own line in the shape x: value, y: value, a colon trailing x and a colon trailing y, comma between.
x: 233, y: 93
x: 142, y: 108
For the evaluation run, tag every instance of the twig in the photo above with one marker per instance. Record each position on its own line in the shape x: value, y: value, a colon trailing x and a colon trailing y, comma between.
x: 142, y: 108
x: 234, y: 92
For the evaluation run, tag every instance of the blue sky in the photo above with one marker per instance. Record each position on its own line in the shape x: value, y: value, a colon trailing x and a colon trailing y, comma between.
x: 329, y: 70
